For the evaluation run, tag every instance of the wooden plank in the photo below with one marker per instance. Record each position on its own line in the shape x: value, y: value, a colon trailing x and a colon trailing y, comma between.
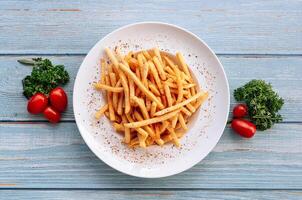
x: 255, y: 27
x: 148, y: 195
x: 282, y: 72
x: 41, y: 155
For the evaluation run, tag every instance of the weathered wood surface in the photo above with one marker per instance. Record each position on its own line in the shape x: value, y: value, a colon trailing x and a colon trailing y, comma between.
x: 148, y: 195
x: 41, y: 155
x: 253, y: 27
x: 283, y: 72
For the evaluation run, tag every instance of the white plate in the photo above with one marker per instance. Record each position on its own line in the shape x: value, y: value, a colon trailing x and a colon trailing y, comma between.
x: 205, y: 129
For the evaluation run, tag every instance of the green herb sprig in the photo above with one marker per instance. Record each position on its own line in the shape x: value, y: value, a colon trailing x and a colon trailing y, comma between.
x: 262, y: 101
x: 44, y: 76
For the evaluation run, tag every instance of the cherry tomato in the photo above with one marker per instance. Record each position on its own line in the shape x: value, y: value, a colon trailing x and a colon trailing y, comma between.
x: 52, y: 115
x: 240, y: 110
x: 37, y: 103
x: 244, y: 127
x: 58, y: 99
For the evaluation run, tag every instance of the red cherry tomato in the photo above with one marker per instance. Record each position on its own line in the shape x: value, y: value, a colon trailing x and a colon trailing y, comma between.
x: 52, y: 115
x: 37, y: 103
x: 240, y: 110
x: 244, y: 128
x: 58, y: 99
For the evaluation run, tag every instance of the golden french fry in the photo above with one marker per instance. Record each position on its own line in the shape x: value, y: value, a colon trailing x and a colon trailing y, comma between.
x: 153, y: 89
x: 109, y: 101
x: 108, y: 88
x: 120, y: 104
x: 131, y: 88
x: 141, y: 104
x: 159, y: 68
x: 155, y: 75
x: 140, y: 85
x: 184, y: 66
x: 134, y: 142
x: 186, y: 111
x: 174, y: 136
x: 153, y: 108
x: 170, y: 71
x: 168, y: 95
x: 119, y: 127
x: 126, y: 92
x: 190, y: 107
x: 147, y: 128
x: 174, y: 121
x: 182, y: 121
x: 164, y: 126
x: 101, y: 111
x: 179, y: 105
x: 114, y: 95
x: 145, y: 71
x: 133, y: 63
x: 107, y: 114
x: 127, y: 136
x: 148, y: 104
x: 103, y: 67
x: 149, y: 141
x: 152, y: 120
x: 111, y: 57
x: 157, y: 54
x: 147, y: 55
x: 201, y: 100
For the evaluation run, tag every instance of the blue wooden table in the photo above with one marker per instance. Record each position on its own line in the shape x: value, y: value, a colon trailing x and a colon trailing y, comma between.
x: 253, y: 39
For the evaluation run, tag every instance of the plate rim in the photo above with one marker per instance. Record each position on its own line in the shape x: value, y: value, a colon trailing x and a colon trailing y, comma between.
x: 93, y: 149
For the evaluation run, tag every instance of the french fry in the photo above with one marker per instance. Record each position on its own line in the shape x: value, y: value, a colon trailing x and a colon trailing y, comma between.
x: 111, y: 57
x: 134, y: 142
x: 152, y: 120
x: 107, y: 114
x: 147, y: 128
x: 186, y: 111
x: 153, y: 89
x: 108, y: 88
x: 201, y: 100
x: 182, y: 121
x: 114, y: 95
x: 174, y: 121
x: 145, y: 74
x: 120, y: 104
x: 190, y: 107
x: 101, y: 111
x: 131, y: 88
x: 184, y: 66
x: 140, y: 85
x: 103, y: 67
x: 141, y: 104
x: 174, y: 136
x: 168, y: 95
x: 179, y: 105
x: 179, y: 87
x: 164, y: 126
x: 119, y: 127
x: 133, y: 63
x: 148, y: 104
x: 153, y: 108
x: 109, y: 101
x: 155, y: 75
x: 127, y: 136
x: 147, y: 55
x: 126, y: 92
x: 157, y: 54
x: 159, y: 68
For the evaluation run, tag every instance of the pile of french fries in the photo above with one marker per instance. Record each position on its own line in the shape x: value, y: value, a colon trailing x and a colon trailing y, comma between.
x: 151, y: 96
